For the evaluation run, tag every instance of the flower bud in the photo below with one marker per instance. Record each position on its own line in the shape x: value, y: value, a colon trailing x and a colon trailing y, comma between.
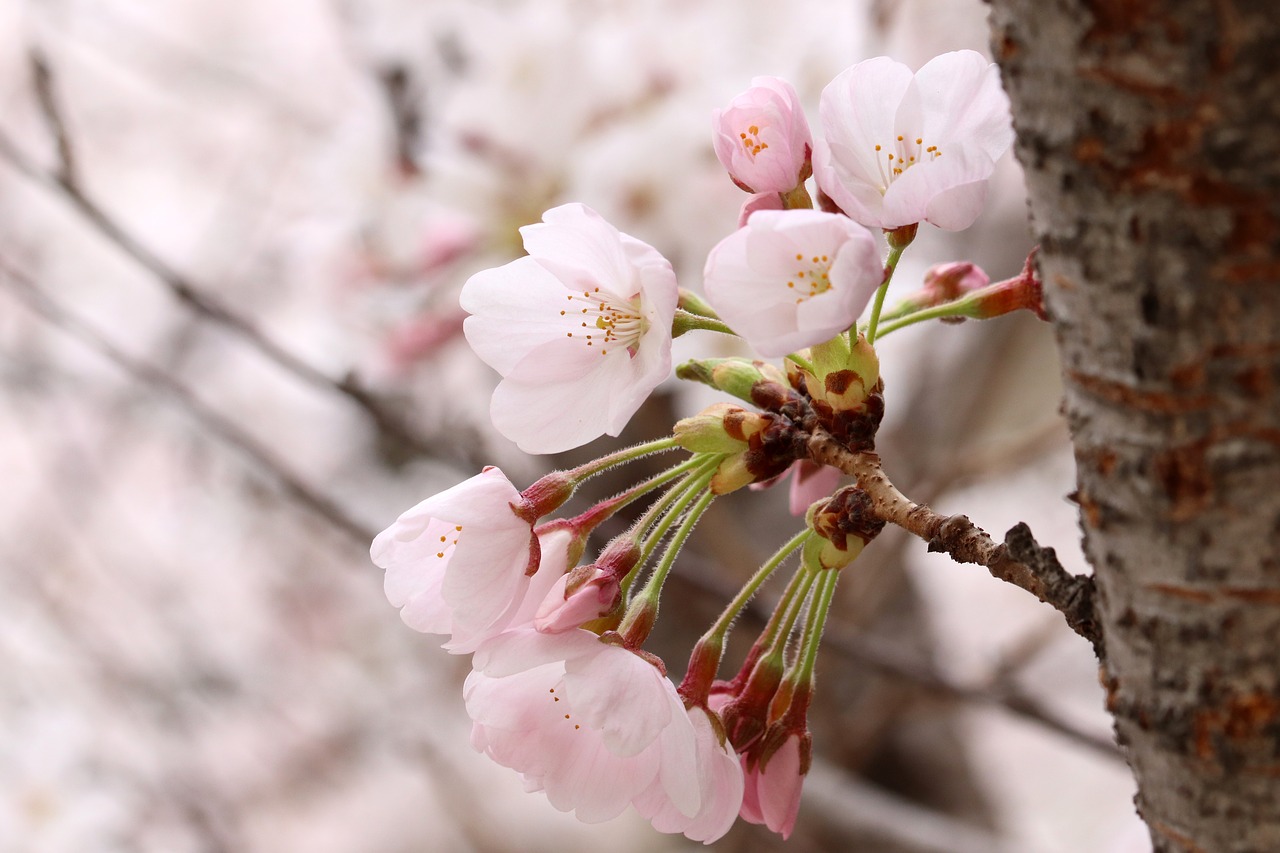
x: 843, y: 375
x: 1024, y: 290
x: 584, y: 594
x: 844, y: 524
x: 762, y: 138
x: 746, y: 380
x: 948, y: 282
x: 720, y: 428
x: 546, y: 495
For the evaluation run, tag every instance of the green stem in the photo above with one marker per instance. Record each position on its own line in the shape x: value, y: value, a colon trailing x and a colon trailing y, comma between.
x: 781, y: 633
x: 688, y: 489
x: 818, y: 610
x: 684, y: 321
x: 802, y: 361
x: 890, y: 265
x: 958, y: 308
x: 591, y: 518
x: 621, y: 457
x: 689, y: 520
x: 642, y: 612
x: 703, y: 467
x: 722, y: 625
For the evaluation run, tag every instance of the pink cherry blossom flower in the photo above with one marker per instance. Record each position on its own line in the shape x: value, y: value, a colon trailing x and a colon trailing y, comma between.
x: 720, y: 775
x: 580, y: 330
x: 903, y: 148
x: 794, y: 278
x: 591, y: 724
x: 772, y: 793
x: 762, y: 138
x: 457, y: 562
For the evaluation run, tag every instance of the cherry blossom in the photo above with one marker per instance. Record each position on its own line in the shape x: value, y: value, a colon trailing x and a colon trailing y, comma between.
x: 721, y: 782
x: 457, y: 562
x: 772, y: 793
x: 598, y: 727
x: 902, y: 148
x: 591, y: 724
x: 580, y: 330
x: 762, y: 138
x: 791, y: 279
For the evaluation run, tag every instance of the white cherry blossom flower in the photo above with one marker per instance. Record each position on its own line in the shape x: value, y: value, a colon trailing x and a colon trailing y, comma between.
x: 791, y: 279
x: 722, y: 785
x: 591, y: 724
x: 902, y: 148
x: 580, y: 330
x: 457, y: 562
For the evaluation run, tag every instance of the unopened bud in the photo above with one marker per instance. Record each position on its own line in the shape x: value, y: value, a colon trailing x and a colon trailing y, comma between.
x: 746, y: 380
x: 547, y: 495
x: 844, y: 524
x: 1024, y: 290
x: 949, y: 282
x: 584, y: 594
x: 844, y: 375
x: 720, y: 428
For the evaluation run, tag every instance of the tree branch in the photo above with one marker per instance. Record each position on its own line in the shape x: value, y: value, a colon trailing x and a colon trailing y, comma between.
x: 42, y: 82
x: 1019, y: 560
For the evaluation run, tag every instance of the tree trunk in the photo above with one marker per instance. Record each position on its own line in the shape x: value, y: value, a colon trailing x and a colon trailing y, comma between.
x: 1150, y: 134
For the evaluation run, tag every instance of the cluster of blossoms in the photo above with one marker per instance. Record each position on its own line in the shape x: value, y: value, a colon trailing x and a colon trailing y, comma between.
x: 562, y: 690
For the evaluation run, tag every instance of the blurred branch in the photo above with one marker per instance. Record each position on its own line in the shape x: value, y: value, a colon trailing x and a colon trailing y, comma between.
x: 22, y: 286
x: 865, y: 811
x: 189, y: 294
x: 42, y: 81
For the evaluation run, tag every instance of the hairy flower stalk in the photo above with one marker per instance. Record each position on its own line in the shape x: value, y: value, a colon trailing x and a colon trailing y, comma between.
x: 777, y: 763
x: 705, y: 660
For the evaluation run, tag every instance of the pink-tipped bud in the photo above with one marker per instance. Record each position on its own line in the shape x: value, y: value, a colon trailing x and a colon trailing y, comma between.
x: 547, y: 495
x: 762, y: 138
x: 778, y: 761
x: 771, y: 795
x: 584, y: 594
x: 759, y: 201
x: 949, y: 282
x: 1024, y: 290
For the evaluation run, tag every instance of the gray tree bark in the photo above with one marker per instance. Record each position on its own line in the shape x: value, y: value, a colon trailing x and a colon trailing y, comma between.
x: 1150, y: 134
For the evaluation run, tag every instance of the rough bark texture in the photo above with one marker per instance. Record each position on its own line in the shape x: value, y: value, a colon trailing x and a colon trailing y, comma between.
x: 1150, y: 133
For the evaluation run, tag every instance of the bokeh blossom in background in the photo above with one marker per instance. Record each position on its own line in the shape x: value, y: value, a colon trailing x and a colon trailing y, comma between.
x: 234, y: 241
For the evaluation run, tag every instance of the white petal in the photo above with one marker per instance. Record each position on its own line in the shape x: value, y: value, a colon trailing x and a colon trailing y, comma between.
x: 962, y: 99
x: 580, y: 248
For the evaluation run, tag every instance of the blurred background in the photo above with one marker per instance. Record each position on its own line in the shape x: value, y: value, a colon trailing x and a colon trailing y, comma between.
x: 232, y: 235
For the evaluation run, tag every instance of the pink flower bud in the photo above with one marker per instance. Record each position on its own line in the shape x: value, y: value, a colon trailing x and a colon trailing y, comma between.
x: 948, y: 282
x: 772, y: 790
x: 584, y: 594
x: 762, y: 138
x: 759, y: 201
